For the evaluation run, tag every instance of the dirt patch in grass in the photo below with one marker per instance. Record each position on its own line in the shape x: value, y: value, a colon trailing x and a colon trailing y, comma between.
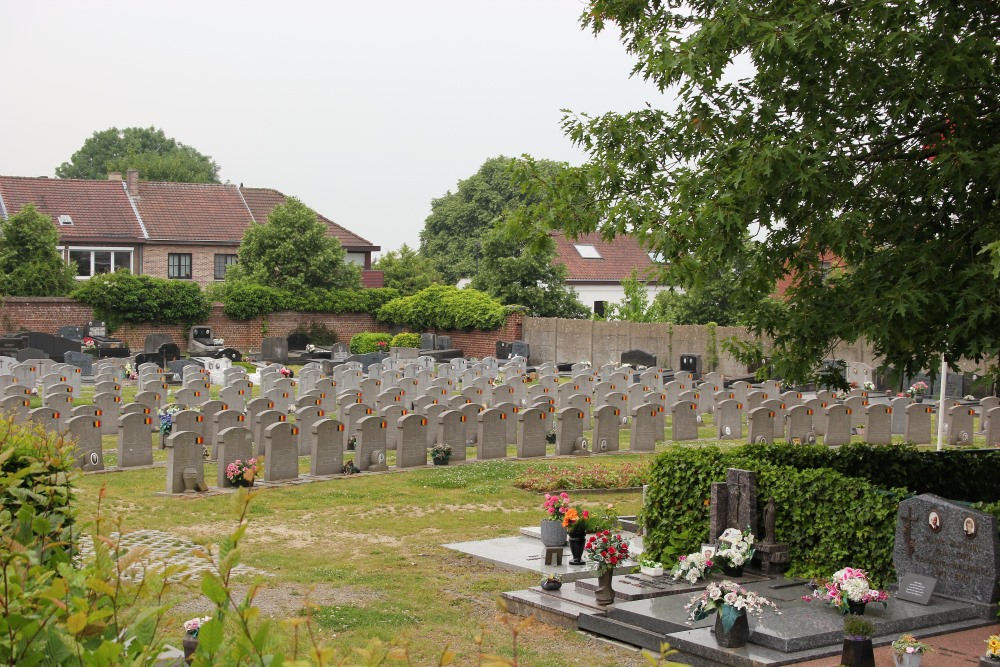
x: 283, y: 600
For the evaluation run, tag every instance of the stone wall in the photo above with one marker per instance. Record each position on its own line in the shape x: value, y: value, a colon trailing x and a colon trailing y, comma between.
x: 47, y: 314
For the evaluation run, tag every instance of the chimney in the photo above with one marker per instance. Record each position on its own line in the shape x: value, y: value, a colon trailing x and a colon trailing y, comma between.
x: 114, y: 176
x: 132, y: 181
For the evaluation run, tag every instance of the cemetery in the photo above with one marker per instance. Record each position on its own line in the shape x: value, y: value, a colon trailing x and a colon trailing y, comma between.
x: 204, y: 426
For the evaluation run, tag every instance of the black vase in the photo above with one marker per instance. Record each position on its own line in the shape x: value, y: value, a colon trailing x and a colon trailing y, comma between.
x: 732, y: 570
x: 856, y: 608
x: 858, y: 653
x: 576, y: 545
x: 737, y: 636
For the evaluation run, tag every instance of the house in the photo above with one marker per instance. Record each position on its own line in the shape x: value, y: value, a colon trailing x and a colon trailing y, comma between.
x: 184, y: 231
x: 596, y: 267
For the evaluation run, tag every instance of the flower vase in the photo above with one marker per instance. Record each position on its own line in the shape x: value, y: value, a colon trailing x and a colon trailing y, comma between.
x: 858, y: 653
x: 906, y: 659
x: 553, y: 534
x: 737, y: 636
x: 576, y: 546
x: 605, y: 593
x: 551, y: 585
x: 918, y: 399
x: 190, y: 645
x: 856, y: 608
x: 732, y: 570
x: 441, y: 460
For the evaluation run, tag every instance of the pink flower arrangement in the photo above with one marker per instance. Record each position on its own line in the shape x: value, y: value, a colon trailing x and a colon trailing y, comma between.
x: 242, y: 473
x: 852, y: 585
x: 556, y: 506
x: 284, y: 372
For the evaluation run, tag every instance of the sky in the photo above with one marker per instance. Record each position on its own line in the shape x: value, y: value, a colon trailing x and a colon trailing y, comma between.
x: 365, y: 111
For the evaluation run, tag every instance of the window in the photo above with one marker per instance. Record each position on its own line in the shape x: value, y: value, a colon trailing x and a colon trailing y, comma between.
x: 587, y: 250
x: 65, y: 220
x: 92, y: 261
x: 221, y: 262
x: 599, y: 308
x: 179, y: 265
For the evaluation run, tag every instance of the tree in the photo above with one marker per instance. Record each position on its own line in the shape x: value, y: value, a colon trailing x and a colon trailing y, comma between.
x: 30, y: 265
x: 156, y: 156
x: 292, y: 251
x: 452, y: 233
x: 867, y: 131
x: 406, y: 270
x: 526, y: 276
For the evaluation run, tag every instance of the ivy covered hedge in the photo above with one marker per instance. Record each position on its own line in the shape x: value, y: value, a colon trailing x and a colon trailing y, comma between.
x: 835, y: 507
x: 243, y: 300
x: 364, y: 343
x: 405, y: 340
x: 122, y: 297
x: 445, y: 307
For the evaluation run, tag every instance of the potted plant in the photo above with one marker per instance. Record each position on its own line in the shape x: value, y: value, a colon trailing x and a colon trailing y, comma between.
x: 917, y: 391
x: 607, y: 550
x: 242, y: 473
x: 858, y: 650
x: 575, y: 522
x: 650, y: 567
x: 190, y: 640
x: 849, y: 591
x: 733, y: 603
x: 735, y: 550
x: 992, y: 656
x: 441, y: 454
x: 692, y: 567
x: 907, y: 651
x: 552, y: 531
x: 552, y: 582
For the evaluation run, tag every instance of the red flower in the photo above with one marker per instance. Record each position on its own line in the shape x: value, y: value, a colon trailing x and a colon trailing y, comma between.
x: 614, y: 561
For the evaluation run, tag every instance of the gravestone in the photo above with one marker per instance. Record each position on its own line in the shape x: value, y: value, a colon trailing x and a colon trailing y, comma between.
x: 234, y: 396
x: 369, y: 452
x: 992, y: 432
x: 878, y: 425
x: 234, y: 444
x: 411, y: 447
x: 799, y: 425
x: 29, y: 353
x: 733, y: 503
x: 49, y: 419
x: 953, y: 543
x: 281, y: 452
x: 532, y: 426
x: 760, y: 425
x: 471, y: 412
x: 222, y: 420
x: 82, y: 360
x: 958, y: 425
x: 254, y: 407
x: 899, y: 414
x: 729, y: 420
x: 274, y: 349
x: 305, y: 418
x: 637, y: 358
x: 838, y: 425
x: 491, y: 434
x: 17, y: 407
x: 108, y: 387
x: 684, y: 420
x: 85, y: 431
x: 918, y: 423
x: 857, y: 405
x: 607, y: 433
x: 391, y: 414
x: 451, y: 430
x: 135, y: 440
x: 184, y: 453
x: 185, y: 420
x: 327, y: 455
x: 819, y: 415
x: 520, y: 349
x: 645, y: 428
x: 263, y: 421
x: 570, y: 424
x: 61, y: 403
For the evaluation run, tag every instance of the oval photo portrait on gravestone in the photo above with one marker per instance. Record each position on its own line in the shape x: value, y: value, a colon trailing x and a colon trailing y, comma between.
x: 969, y: 526
x: 934, y: 521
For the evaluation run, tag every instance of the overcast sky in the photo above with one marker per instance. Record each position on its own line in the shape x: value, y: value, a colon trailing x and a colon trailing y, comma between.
x: 365, y: 111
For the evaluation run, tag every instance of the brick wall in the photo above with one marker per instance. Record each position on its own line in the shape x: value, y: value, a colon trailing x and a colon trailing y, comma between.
x: 154, y: 260
x: 47, y: 314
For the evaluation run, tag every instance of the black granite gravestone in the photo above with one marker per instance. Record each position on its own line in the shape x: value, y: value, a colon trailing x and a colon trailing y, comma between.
x: 503, y: 350
x: 27, y: 353
x: 443, y: 343
x: 274, y: 349
x: 636, y: 358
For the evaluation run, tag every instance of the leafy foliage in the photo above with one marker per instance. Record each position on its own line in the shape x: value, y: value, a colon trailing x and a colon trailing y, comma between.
x: 405, y: 340
x: 406, y: 271
x: 319, y: 333
x: 445, y: 307
x: 293, y: 251
x: 156, y: 156
x: 121, y: 297
x: 243, y: 300
x: 367, y: 342
x: 866, y: 137
x: 30, y: 265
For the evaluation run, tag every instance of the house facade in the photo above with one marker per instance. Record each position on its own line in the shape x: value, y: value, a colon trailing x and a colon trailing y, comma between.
x: 596, y: 268
x: 179, y: 231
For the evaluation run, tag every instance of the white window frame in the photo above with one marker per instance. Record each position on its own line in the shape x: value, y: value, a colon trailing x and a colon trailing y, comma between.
x: 588, y: 250
x: 66, y: 250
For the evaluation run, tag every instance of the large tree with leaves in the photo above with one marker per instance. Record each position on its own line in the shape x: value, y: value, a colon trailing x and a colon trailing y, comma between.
x: 293, y: 251
x: 30, y: 265
x: 452, y: 233
x: 406, y: 270
x: 868, y: 130
x: 148, y: 149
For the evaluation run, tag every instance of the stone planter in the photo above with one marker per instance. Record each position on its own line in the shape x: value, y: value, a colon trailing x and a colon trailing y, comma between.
x: 737, y: 636
x: 553, y: 534
x: 858, y: 653
x: 190, y: 645
x: 651, y: 571
x: 605, y: 593
x: 907, y: 659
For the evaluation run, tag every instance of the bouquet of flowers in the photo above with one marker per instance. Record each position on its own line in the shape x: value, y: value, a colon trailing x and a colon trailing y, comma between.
x: 128, y: 373
x: 852, y: 585
x: 285, y: 373
x: 441, y: 452
x: 310, y: 348
x: 575, y: 520
x: 556, y: 506
x: 735, y: 547
x: 869, y: 386
x: 917, y: 389
x: 993, y: 647
x: 192, y: 626
x: 89, y: 343
x: 692, y: 567
x: 218, y: 341
x: 607, y: 549
x: 242, y: 473
x: 730, y: 600
x: 167, y: 413
x: 908, y: 644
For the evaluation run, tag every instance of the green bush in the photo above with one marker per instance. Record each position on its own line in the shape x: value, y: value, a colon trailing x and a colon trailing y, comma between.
x: 122, y: 297
x: 445, y: 307
x: 243, y: 300
x: 366, y: 342
x: 405, y: 340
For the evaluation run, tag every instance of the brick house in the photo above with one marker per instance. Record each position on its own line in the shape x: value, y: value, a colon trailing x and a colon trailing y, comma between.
x: 596, y: 267
x: 184, y: 231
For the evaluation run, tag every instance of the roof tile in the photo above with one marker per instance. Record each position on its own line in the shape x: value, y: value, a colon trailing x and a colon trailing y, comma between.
x: 617, y: 259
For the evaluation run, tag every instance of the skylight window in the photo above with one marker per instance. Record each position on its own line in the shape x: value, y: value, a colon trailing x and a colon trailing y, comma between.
x: 65, y: 220
x: 587, y: 250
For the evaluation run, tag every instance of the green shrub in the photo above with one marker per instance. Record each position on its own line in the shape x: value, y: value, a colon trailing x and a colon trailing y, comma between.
x: 318, y: 333
x: 363, y: 343
x: 122, y: 297
x: 445, y: 307
x: 405, y: 340
x: 243, y: 300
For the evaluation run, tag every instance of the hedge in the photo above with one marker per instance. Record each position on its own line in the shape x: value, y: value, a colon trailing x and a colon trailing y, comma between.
x: 445, y: 307
x: 121, y: 297
x: 364, y: 343
x: 243, y: 300
x: 406, y: 340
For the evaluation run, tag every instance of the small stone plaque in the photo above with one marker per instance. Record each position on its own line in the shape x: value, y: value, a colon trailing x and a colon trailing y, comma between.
x: 916, y: 588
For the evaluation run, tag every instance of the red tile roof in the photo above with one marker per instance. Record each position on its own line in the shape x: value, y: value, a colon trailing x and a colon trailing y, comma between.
x: 262, y: 200
x: 617, y: 259
x: 99, y: 209
x: 192, y: 211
